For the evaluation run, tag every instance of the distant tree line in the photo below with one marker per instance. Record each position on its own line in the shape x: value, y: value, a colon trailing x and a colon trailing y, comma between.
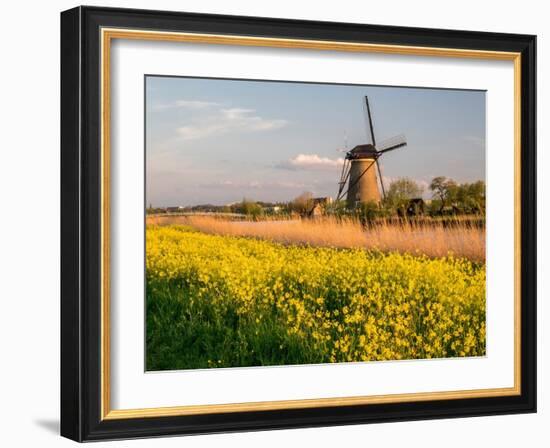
x: 403, y: 197
x: 447, y: 196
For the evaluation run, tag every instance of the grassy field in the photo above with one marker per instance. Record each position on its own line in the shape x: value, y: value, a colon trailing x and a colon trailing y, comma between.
x: 218, y: 298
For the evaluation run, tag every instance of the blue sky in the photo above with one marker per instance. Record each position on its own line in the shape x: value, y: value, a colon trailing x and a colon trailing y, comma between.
x: 217, y: 141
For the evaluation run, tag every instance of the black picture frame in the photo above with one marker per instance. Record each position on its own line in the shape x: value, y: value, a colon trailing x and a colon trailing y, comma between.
x: 81, y: 224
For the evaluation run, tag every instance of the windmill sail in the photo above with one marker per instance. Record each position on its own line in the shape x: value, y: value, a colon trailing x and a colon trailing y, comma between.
x: 392, y: 143
x: 371, y: 127
x: 381, y: 179
x: 343, y: 179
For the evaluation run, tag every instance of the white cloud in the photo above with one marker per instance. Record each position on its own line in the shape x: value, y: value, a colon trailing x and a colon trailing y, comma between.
x: 474, y: 140
x: 311, y: 162
x: 388, y: 180
x: 229, y: 120
x: 255, y: 185
x: 186, y: 104
x: 422, y: 183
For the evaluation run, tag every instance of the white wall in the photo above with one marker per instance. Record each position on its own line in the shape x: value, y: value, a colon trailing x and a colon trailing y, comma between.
x: 29, y: 233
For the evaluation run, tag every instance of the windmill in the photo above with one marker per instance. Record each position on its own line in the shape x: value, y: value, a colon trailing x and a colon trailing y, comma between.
x: 361, y: 168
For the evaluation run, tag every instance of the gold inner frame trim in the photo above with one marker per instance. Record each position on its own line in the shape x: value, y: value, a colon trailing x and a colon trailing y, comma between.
x: 107, y: 35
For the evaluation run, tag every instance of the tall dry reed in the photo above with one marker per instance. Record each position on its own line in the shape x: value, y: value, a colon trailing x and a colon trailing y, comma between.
x: 433, y: 240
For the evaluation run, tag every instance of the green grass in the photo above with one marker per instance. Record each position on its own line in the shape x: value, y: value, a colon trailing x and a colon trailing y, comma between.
x: 184, y: 334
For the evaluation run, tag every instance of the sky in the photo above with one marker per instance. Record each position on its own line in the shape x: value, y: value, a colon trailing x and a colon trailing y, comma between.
x: 213, y: 141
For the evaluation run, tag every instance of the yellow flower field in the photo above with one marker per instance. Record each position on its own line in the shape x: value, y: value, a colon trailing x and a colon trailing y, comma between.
x: 223, y: 301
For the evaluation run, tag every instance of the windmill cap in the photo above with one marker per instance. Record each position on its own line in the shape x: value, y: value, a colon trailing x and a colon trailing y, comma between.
x: 362, y: 152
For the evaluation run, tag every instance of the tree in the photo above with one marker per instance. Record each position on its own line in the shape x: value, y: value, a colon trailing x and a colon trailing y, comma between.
x: 470, y: 197
x: 401, y: 191
x: 367, y: 212
x: 464, y: 198
x: 444, y: 190
x: 302, y: 204
x: 337, y: 208
x: 438, y: 186
x: 250, y: 208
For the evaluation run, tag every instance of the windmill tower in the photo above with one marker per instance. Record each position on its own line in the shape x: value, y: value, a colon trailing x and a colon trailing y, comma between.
x: 361, y: 170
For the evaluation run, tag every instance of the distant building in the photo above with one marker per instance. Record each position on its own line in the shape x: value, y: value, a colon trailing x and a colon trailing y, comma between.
x: 317, y: 210
x: 416, y: 207
x: 323, y: 200
x: 413, y: 207
x: 318, y: 206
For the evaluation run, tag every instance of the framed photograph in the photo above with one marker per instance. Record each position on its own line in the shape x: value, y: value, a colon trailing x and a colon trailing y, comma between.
x: 273, y: 223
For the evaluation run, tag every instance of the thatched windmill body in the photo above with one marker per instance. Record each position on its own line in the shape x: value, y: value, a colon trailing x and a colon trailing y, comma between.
x: 361, y: 172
